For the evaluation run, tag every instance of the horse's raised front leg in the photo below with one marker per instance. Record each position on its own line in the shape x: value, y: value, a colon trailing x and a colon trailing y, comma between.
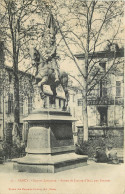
x: 40, y: 87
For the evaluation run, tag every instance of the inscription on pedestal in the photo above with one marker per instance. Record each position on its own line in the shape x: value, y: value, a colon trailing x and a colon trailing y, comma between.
x: 38, y: 139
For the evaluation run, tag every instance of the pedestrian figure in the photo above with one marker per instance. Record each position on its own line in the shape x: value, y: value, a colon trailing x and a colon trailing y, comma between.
x: 112, y: 155
x: 78, y: 150
x: 100, y: 155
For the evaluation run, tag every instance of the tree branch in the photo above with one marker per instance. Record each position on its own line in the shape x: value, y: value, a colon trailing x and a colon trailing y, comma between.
x: 103, y: 75
x: 70, y: 51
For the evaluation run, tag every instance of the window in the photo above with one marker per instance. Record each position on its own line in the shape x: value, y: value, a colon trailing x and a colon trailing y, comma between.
x: 103, y: 115
x: 80, y: 102
x: 118, y: 88
x: 29, y: 104
x: 103, y: 65
x: 100, y: 88
x: 104, y: 92
x: 21, y: 105
x: 103, y: 89
x: 10, y: 104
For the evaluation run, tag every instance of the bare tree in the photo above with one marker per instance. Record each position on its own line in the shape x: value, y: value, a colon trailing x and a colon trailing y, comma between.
x: 86, y: 26
x: 17, y: 28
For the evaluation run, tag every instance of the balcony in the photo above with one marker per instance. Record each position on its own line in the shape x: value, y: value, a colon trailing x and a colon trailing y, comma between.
x: 105, y: 101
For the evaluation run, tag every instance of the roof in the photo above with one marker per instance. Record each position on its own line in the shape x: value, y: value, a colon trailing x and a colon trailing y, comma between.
x: 21, y: 72
x: 102, y: 54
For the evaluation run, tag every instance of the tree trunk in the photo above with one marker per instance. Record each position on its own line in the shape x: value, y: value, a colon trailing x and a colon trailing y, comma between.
x: 85, y: 114
x: 16, y: 130
x: 84, y: 95
x: 16, y: 100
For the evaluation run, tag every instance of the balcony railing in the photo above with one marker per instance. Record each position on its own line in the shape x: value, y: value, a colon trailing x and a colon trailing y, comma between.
x: 105, y: 101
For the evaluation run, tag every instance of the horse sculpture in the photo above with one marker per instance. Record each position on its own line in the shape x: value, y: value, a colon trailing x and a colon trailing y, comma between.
x: 45, y: 62
x: 46, y: 74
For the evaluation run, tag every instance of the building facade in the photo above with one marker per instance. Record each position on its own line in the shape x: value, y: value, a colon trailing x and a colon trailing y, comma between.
x: 105, y: 102
x: 29, y: 99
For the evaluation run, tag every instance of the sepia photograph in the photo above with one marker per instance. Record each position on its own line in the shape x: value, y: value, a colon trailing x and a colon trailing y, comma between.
x: 62, y: 89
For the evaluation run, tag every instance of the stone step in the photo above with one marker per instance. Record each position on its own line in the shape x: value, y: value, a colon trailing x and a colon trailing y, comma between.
x: 49, y: 163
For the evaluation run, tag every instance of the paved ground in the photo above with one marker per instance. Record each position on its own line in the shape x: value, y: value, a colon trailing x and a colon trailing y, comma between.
x: 91, y: 179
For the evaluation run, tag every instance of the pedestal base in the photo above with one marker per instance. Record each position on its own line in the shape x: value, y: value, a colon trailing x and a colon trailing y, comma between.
x: 49, y: 163
x: 50, y: 144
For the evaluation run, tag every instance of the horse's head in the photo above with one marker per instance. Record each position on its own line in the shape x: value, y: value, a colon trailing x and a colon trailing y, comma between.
x: 35, y: 56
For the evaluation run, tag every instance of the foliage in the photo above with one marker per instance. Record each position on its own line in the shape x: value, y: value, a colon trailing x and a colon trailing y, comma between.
x: 115, y: 141
x: 17, y: 152
x: 89, y: 147
x: 12, y: 151
x: 84, y: 146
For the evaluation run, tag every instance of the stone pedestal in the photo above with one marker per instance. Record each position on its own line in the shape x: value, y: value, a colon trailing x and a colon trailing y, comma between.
x: 50, y: 145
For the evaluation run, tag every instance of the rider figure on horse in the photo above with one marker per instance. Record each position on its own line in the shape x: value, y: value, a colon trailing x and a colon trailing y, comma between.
x: 44, y: 61
x: 48, y: 64
x: 48, y: 51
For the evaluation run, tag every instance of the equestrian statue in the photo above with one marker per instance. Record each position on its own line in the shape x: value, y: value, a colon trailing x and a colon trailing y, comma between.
x: 45, y: 63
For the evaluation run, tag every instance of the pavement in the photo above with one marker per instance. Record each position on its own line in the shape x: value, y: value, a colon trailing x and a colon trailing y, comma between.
x: 94, y: 178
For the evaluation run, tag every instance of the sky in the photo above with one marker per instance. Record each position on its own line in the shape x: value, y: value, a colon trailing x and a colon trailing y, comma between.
x: 65, y: 62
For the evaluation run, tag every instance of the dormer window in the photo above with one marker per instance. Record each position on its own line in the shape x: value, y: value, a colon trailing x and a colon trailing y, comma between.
x: 114, y: 47
x: 103, y: 65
